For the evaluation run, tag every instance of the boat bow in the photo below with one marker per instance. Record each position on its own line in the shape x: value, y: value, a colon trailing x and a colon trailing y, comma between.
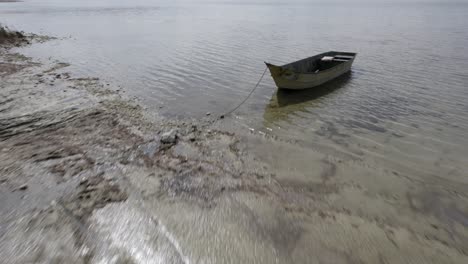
x: 278, y: 71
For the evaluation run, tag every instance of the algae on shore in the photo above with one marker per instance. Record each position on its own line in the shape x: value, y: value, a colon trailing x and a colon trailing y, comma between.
x: 6, y: 35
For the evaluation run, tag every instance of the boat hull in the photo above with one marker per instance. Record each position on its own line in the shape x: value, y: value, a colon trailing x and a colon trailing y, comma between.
x: 292, y: 80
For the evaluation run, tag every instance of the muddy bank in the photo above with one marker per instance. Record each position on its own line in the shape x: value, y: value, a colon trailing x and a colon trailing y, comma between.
x: 89, y: 176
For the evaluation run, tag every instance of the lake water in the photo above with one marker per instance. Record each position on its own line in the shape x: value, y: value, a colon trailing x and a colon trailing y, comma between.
x: 404, y: 105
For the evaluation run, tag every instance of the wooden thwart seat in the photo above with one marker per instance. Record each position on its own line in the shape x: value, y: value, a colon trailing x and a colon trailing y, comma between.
x: 344, y: 57
x: 336, y: 59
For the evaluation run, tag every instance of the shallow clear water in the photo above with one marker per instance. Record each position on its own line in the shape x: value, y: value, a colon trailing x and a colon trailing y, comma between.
x: 404, y: 105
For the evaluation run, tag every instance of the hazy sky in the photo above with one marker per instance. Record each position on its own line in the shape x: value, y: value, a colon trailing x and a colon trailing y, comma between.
x: 343, y: 1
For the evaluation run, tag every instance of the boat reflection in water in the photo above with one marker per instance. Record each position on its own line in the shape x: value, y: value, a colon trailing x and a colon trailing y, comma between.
x: 285, y: 103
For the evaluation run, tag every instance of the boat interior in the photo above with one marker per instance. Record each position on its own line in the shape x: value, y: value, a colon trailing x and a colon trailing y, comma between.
x: 319, y: 62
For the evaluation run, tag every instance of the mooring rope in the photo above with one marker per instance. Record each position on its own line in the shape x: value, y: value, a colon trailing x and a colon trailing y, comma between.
x: 247, y: 98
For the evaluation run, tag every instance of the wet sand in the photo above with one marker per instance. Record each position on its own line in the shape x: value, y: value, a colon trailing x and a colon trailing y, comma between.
x: 89, y: 176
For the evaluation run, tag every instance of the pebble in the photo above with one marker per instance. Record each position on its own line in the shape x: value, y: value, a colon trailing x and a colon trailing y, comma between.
x: 208, y: 113
x: 23, y: 187
x: 83, y: 181
x: 192, y: 137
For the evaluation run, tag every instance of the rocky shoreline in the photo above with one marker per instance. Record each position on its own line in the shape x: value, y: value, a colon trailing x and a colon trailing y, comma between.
x: 89, y: 176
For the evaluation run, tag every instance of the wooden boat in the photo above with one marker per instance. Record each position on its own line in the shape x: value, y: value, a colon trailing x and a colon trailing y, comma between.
x: 313, y: 71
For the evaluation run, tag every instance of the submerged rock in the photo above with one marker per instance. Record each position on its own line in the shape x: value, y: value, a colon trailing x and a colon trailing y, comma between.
x: 169, y: 137
x: 23, y: 187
